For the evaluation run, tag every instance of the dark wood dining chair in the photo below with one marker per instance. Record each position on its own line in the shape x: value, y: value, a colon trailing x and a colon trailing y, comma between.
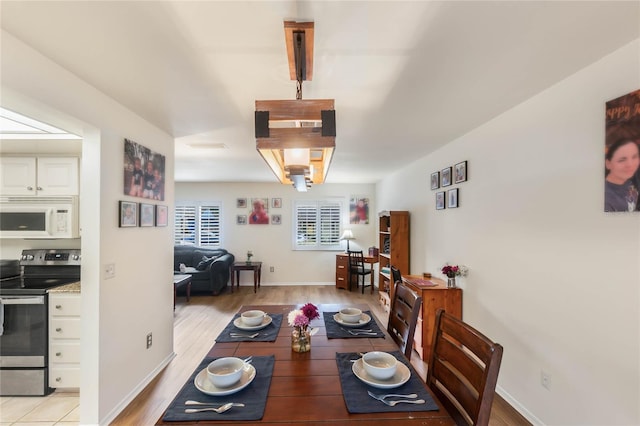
x: 463, y: 370
x: 395, y: 274
x: 358, y: 270
x: 403, y: 317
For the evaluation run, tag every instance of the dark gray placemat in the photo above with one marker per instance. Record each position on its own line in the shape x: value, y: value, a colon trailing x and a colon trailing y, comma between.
x: 358, y: 400
x: 254, y: 396
x: 267, y: 334
x: 337, y: 331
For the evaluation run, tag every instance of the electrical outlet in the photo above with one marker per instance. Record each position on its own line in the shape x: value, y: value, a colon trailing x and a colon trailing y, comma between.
x: 272, y: 269
x: 109, y: 271
x: 545, y: 380
x: 149, y: 340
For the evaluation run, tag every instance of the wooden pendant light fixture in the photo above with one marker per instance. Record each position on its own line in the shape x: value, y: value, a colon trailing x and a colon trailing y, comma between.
x: 296, y: 138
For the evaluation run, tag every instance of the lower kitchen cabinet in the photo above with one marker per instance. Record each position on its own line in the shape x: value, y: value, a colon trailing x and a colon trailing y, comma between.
x: 64, y: 339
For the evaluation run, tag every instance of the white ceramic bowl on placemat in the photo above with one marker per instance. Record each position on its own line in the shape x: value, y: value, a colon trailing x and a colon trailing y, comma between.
x: 204, y: 385
x: 350, y: 315
x: 380, y: 365
x: 242, y: 326
x: 225, y: 372
x: 252, y: 318
x: 401, y: 376
x: 364, y: 320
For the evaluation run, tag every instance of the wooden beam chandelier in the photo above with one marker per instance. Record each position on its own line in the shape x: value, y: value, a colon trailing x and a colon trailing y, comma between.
x: 297, y: 137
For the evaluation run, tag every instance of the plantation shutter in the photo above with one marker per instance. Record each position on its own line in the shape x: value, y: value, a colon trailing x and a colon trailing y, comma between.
x: 329, y: 224
x: 185, y: 225
x: 209, y: 226
x: 317, y: 225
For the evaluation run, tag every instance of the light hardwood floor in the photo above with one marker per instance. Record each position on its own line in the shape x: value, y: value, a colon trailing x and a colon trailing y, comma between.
x: 198, y: 323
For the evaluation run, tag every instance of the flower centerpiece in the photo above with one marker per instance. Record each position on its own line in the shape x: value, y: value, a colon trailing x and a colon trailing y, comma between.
x: 299, y: 319
x: 453, y: 271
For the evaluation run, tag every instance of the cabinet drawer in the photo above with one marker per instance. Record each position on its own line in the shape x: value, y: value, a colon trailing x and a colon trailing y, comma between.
x: 64, y: 352
x: 64, y: 377
x: 64, y: 328
x: 64, y: 305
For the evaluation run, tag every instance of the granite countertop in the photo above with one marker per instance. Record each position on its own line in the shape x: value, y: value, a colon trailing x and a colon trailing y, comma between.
x: 67, y: 288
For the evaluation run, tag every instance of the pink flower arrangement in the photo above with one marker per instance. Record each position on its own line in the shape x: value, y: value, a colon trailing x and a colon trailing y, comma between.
x: 300, y: 318
x: 452, y: 271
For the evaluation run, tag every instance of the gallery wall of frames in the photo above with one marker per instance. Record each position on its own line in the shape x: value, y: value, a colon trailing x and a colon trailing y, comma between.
x: 449, y: 198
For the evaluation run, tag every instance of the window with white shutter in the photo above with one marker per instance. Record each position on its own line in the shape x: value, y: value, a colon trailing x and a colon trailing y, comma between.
x: 198, y: 224
x: 317, y: 225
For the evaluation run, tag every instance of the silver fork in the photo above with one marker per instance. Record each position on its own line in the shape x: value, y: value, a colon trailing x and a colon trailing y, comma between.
x: 249, y: 336
x: 361, y: 333
x: 407, y: 401
x: 382, y: 397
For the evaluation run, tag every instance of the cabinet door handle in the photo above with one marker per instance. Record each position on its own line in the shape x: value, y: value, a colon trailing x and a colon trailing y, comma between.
x: 58, y: 306
x: 58, y: 379
x: 30, y: 188
x: 58, y: 329
x: 39, y: 188
x: 58, y: 353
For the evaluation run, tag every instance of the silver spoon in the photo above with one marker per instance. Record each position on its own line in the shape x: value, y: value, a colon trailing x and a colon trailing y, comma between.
x: 407, y: 401
x: 249, y: 336
x: 381, y: 397
x: 221, y: 409
x: 192, y: 402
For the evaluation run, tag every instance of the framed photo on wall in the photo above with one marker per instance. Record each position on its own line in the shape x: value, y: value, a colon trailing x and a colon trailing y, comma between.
x: 147, y: 214
x: 128, y: 214
x: 452, y: 198
x: 276, y: 219
x: 241, y: 203
x: 276, y: 203
x: 460, y: 172
x: 241, y: 219
x: 440, y: 200
x: 162, y: 215
x: 435, y: 180
x: 445, y: 177
x: 143, y: 171
x: 259, y: 214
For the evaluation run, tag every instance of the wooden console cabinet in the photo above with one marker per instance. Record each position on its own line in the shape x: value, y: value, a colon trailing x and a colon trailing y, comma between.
x: 433, y: 298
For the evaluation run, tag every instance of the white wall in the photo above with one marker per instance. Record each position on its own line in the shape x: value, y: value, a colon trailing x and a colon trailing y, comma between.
x: 117, y: 313
x: 272, y: 244
x: 552, y: 277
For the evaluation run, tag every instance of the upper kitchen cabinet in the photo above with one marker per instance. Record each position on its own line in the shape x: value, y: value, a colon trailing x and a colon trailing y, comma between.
x: 39, y: 176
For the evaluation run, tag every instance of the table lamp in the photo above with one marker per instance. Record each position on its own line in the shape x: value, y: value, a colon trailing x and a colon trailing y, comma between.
x: 347, y: 235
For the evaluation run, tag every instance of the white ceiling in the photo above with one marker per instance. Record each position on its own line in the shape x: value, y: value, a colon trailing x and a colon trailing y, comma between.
x: 407, y: 77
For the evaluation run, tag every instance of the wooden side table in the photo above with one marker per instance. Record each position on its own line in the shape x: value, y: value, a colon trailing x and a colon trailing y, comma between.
x: 256, y: 267
x: 180, y: 280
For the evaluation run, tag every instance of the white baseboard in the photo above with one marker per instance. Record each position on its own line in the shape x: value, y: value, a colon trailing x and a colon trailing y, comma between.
x: 519, y: 407
x: 131, y: 395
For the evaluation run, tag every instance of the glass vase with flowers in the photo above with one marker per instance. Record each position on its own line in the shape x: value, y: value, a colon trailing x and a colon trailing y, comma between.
x: 299, y: 319
x: 453, y: 271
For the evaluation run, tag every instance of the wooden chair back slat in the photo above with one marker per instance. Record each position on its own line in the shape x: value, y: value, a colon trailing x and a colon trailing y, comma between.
x: 403, y: 317
x: 463, y: 370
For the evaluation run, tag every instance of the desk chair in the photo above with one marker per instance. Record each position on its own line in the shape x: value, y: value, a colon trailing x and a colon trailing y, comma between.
x: 403, y: 317
x: 463, y: 370
x: 357, y: 269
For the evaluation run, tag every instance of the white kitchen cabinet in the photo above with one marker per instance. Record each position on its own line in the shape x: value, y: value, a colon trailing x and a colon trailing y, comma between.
x: 64, y: 339
x: 40, y: 176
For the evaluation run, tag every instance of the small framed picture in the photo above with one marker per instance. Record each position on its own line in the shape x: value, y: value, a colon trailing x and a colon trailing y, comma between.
x: 452, y: 198
x: 162, y: 215
x: 276, y: 219
x: 241, y: 219
x: 147, y: 214
x: 460, y: 172
x: 440, y: 200
x: 276, y: 203
x: 445, y: 177
x: 128, y: 214
x: 241, y: 203
x: 435, y: 180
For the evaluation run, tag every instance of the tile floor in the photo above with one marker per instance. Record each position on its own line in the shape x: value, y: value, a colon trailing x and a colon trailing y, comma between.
x: 58, y: 408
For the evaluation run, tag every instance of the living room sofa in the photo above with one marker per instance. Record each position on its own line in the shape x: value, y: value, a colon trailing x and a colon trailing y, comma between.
x: 209, y: 268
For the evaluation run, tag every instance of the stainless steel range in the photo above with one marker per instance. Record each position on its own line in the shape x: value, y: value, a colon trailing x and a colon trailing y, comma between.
x: 24, y: 332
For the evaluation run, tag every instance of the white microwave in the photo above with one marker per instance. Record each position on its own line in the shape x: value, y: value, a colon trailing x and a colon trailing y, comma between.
x: 39, y: 217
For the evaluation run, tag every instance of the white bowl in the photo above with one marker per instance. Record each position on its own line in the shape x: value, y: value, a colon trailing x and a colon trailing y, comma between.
x: 380, y: 365
x: 252, y: 318
x: 351, y: 315
x: 225, y: 372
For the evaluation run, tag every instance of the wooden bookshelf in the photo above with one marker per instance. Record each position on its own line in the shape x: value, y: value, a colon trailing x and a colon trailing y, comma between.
x: 393, y: 238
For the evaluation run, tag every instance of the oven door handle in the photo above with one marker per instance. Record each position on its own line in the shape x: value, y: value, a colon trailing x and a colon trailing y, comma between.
x: 21, y: 300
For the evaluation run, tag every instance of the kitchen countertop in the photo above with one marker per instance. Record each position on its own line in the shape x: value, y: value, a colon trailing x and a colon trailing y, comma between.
x: 67, y: 288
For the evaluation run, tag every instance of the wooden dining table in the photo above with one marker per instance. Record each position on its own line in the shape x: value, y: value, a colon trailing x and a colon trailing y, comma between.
x: 305, y: 387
